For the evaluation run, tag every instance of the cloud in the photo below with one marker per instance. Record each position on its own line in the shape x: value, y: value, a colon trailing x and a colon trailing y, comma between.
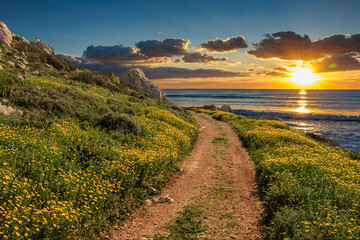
x: 338, y: 44
x: 228, y: 45
x: 120, y: 55
x: 274, y: 74
x: 163, y: 48
x: 155, y: 72
x: 198, y: 57
x: 282, y: 69
x: 292, y: 46
x: 343, y: 62
x: 284, y: 45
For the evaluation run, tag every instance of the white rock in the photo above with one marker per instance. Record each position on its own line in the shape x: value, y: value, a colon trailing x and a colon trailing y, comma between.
x: 148, y: 202
x: 169, y: 199
x: 11, y: 63
x: 5, y: 34
x: 37, y: 42
x: 22, y: 54
x: 8, y: 110
x: 20, y: 65
x: 48, y: 65
x: 226, y: 108
x: 136, y: 79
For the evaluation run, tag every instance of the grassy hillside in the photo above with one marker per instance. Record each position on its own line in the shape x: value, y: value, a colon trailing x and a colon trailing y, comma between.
x: 79, y: 150
x: 310, y: 190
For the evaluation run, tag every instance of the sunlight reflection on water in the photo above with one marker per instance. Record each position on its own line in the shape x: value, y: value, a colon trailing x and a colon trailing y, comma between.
x: 302, y: 103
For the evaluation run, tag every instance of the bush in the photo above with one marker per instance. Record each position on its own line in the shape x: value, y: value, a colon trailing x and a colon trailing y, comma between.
x: 124, y: 122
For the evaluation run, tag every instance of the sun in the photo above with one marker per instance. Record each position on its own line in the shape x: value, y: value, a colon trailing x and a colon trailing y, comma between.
x: 303, y: 76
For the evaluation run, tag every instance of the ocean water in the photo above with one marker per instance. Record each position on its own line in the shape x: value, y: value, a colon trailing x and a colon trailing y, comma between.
x: 332, y: 114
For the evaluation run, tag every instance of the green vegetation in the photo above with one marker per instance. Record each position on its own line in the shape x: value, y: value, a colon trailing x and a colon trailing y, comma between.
x: 186, y: 226
x: 310, y: 189
x: 83, y: 152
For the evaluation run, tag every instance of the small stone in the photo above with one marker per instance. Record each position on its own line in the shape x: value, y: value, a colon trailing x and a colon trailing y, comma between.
x: 20, y: 77
x: 65, y: 76
x: 48, y: 65
x: 169, y: 199
x: 11, y: 63
x: 155, y: 199
x: 153, y: 189
x: 148, y: 202
x: 1, y: 67
x: 35, y: 72
x: 22, y: 54
x: 20, y: 65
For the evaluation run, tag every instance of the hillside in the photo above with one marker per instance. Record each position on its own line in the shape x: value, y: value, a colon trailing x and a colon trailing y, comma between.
x: 78, y: 150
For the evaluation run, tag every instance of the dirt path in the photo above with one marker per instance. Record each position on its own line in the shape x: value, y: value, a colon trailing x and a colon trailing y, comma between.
x: 217, y: 176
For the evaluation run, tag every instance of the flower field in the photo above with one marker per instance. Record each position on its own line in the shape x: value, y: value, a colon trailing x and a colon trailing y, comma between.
x: 310, y: 190
x: 64, y: 181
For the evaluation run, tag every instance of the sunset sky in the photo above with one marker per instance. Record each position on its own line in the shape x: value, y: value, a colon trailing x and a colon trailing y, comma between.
x: 203, y: 44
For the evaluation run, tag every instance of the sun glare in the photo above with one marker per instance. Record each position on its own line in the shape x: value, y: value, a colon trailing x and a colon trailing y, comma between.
x: 303, y: 76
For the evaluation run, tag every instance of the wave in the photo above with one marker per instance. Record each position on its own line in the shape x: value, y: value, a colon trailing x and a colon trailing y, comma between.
x: 305, y: 116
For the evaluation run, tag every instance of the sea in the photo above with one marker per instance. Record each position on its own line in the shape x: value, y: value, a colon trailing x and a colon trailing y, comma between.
x: 333, y: 114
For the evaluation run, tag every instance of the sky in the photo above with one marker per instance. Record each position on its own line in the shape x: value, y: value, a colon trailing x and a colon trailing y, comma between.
x: 203, y: 44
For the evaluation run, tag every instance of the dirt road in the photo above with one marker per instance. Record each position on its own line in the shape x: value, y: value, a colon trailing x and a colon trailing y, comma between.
x: 217, y: 176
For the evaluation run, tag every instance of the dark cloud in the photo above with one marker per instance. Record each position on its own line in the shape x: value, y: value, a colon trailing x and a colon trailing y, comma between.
x: 251, y: 70
x: 119, y: 55
x: 164, y: 48
x: 274, y: 74
x: 227, y: 45
x: 282, y: 69
x: 201, y: 58
x: 292, y: 46
x: 343, y: 62
x: 155, y: 72
x: 284, y: 45
x: 338, y: 44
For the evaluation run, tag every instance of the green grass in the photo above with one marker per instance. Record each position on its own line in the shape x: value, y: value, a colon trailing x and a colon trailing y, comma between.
x: 85, y: 152
x: 187, y: 225
x: 310, y: 189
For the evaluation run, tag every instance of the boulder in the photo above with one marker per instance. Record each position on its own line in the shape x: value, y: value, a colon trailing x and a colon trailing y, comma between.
x: 37, y: 42
x: 226, y: 108
x: 5, y: 34
x: 136, y: 79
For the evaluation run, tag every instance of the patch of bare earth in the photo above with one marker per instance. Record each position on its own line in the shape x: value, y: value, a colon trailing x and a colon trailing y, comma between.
x: 218, y: 177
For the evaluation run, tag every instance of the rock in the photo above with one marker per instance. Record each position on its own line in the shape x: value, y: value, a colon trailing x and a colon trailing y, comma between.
x: 168, y: 199
x: 20, y: 77
x: 1, y: 67
x: 48, y: 65
x: 65, y: 76
x: 35, y: 72
x: 155, y: 199
x: 148, y: 202
x: 11, y: 63
x: 226, y: 108
x: 22, y: 54
x: 136, y: 79
x: 37, y: 42
x: 8, y: 110
x: 20, y: 65
x: 5, y: 34
x: 153, y: 189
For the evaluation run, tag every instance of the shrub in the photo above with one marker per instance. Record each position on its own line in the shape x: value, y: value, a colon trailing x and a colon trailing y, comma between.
x: 124, y: 122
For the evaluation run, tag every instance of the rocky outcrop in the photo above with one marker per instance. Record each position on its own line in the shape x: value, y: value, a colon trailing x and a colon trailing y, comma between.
x: 5, y: 34
x: 37, y: 42
x: 136, y: 79
x: 226, y: 108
